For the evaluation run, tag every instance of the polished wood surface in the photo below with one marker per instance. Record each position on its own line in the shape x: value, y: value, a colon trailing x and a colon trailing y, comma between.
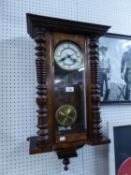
x: 94, y: 123
x: 42, y: 86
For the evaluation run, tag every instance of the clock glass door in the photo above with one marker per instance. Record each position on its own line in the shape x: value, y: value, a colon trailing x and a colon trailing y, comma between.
x: 69, y: 87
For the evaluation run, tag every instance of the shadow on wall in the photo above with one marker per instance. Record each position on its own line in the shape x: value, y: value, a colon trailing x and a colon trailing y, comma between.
x: 18, y: 110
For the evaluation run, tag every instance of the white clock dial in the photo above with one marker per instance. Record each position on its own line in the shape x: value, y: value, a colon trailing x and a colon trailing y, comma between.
x: 68, y: 56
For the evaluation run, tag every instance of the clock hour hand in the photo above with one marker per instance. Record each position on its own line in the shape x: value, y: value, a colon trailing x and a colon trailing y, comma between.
x: 68, y: 56
x: 73, y: 59
x: 63, y: 58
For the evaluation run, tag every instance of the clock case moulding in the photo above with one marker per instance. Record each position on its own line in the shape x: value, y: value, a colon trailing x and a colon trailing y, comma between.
x: 45, y: 141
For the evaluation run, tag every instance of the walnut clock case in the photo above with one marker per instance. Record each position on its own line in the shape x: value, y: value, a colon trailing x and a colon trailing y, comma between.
x: 68, y: 92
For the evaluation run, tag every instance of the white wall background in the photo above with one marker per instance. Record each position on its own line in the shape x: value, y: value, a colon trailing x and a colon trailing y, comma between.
x: 18, y: 81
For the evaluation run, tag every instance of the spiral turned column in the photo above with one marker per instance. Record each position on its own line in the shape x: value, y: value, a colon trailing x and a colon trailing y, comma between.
x: 42, y: 98
x: 96, y: 134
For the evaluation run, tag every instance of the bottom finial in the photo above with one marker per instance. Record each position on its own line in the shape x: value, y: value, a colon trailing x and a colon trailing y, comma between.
x: 66, y: 162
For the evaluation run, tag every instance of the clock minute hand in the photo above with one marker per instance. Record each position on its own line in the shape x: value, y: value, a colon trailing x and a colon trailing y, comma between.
x: 73, y: 59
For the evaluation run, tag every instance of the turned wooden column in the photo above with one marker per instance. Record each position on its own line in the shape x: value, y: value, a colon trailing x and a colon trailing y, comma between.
x: 96, y: 134
x: 42, y: 98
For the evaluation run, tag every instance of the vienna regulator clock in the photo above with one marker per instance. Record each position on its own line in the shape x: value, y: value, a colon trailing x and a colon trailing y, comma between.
x: 68, y: 92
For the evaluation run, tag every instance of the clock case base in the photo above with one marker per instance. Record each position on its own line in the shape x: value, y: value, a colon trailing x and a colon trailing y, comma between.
x: 62, y: 153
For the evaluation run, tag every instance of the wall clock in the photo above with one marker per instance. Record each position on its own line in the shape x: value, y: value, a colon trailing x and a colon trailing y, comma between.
x: 68, y: 92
